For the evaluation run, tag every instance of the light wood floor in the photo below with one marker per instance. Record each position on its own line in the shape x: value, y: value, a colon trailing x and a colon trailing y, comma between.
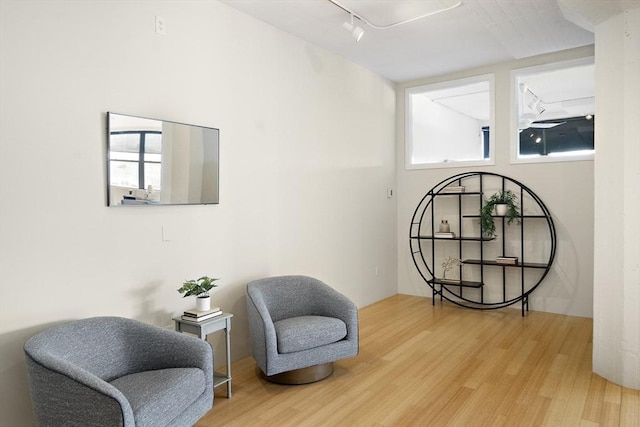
x: 424, y: 365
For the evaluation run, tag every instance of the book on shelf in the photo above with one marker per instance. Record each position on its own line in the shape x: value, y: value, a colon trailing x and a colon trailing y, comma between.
x: 454, y: 189
x: 201, y: 318
x: 509, y: 260
x: 449, y: 281
x: 444, y: 235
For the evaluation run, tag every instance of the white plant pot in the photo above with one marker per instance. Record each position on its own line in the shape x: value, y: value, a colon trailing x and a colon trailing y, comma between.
x: 501, y: 209
x: 203, y: 303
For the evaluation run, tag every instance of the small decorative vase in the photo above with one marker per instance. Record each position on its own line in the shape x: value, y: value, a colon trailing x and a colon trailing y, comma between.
x: 501, y: 209
x: 203, y: 303
x: 444, y: 226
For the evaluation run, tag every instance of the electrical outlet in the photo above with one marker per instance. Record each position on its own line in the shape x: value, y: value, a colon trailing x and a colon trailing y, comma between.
x: 161, y: 25
x: 165, y: 237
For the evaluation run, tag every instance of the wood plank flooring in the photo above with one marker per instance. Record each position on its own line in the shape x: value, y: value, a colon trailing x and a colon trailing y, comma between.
x: 424, y: 365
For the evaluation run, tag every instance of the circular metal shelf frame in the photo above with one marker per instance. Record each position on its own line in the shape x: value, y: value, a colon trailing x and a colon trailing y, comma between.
x: 423, y: 222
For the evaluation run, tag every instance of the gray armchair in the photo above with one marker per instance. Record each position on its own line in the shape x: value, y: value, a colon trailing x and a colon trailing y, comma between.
x: 112, y: 371
x: 299, y: 326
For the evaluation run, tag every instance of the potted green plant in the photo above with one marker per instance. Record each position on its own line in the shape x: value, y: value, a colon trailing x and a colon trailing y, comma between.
x: 200, y: 289
x: 504, y: 203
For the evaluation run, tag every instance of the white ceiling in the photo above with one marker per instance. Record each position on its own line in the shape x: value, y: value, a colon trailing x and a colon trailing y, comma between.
x: 478, y: 32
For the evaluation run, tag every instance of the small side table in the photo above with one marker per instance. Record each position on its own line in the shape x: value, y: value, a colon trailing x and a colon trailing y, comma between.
x: 202, y: 329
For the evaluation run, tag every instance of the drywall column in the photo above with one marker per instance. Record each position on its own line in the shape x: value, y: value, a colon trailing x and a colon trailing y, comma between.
x: 616, y: 314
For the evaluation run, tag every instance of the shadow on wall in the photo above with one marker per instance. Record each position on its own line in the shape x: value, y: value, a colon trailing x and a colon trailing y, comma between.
x: 315, y: 60
x: 558, y: 291
x: 236, y: 295
x: 144, y: 301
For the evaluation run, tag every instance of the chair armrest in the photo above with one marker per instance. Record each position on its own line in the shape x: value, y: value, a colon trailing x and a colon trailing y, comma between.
x: 331, y: 303
x: 158, y: 348
x: 70, y: 367
x: 86, y: 397
x: 261, y: 328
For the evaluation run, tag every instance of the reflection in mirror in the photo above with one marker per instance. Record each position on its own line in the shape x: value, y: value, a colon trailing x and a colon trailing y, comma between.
x: 155, y: 162
x: 448, y: 124
x: 555, y: 112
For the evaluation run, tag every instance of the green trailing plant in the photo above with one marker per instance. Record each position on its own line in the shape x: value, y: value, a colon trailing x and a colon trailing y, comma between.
x: 198, y: 287
x: 506, y: 197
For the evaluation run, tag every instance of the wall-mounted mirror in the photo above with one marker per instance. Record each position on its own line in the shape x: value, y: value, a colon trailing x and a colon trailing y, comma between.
x: 158, y: 162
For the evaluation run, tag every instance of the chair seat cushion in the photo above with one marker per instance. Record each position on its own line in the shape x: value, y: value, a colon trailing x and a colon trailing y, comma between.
x: 305, y: 332
x: 157, y: 397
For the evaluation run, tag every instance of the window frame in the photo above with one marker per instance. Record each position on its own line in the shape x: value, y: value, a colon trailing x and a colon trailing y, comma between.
x: 140, y: 161
x: 409, y: 165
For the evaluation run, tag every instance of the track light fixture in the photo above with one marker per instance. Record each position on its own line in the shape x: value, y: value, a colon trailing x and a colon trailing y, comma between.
x: 534, y: 105
x: 356, y: 31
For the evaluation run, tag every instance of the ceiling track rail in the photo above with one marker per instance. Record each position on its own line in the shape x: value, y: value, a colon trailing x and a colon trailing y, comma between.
x: 386, y: 27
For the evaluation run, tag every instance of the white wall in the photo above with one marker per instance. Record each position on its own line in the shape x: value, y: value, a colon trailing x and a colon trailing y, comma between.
x: 566, y: 189
x: 307, y: 153
x: 616, y: 338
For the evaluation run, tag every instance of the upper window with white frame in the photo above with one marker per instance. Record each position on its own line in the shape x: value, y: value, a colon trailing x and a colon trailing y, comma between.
x: 553, y: 118
x: 450, y: 124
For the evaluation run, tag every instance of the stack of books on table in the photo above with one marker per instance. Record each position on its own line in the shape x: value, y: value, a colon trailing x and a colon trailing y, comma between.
x: 444, y: 235
x: 194, y: 315
x: 507, y: 260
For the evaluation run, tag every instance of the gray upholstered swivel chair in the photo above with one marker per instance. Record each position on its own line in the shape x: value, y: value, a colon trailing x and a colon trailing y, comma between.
x: 111, y: 371
x: 299, y: 326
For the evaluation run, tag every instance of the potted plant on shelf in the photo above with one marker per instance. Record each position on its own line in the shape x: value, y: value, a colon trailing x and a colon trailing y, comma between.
x: 200, y: 288
x: 505, y: 203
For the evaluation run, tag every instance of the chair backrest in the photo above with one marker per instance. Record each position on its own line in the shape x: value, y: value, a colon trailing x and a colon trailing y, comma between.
x: 103, y: 346
x: 289, y: 296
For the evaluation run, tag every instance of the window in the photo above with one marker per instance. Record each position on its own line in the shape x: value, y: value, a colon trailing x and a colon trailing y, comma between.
x: 554, y: 112
x: 450, y: 124
x: 135, y: 159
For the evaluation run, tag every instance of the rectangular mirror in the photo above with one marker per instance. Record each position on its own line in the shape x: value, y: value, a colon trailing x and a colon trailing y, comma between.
x: 158, y: 162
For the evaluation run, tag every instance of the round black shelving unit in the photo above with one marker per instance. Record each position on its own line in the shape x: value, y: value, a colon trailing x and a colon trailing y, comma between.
x: 483, y: 283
